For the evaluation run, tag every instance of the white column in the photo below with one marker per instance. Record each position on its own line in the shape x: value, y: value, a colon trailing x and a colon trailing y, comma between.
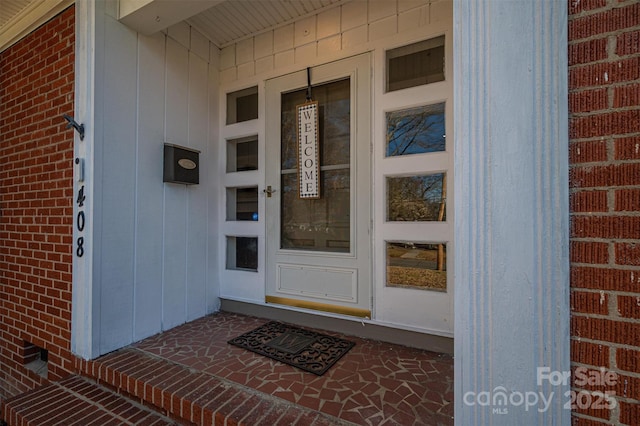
x: 511, y: 210
x: 83, y: 317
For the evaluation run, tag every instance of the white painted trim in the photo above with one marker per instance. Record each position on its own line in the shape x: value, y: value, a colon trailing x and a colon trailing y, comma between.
x: 30, y: 18
x: 430, y: 311
x: 393, y: 325
x: 345, y: 325
x: 358, y: 69
x: 150, y: 16
x: 512, y: 212
x: 83, y: 320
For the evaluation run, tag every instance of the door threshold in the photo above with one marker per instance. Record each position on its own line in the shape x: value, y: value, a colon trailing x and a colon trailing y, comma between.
x: 317, y: 306
x: 347, y: 326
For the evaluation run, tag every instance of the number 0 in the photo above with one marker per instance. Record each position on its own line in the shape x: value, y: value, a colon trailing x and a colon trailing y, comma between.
x: 80, y: 221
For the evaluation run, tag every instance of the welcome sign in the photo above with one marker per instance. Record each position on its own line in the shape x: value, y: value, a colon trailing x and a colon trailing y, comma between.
x: 308, y: 155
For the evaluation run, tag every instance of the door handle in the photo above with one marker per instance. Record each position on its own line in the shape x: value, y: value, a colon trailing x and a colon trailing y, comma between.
x: 269, y: 191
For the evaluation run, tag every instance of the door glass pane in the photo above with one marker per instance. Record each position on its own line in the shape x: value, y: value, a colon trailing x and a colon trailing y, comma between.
x: 242, y: 154
x: 242, y: 203
x: 417, y: 265
x: 417, y: 198
x: 242, y: 253
x: 242, y: 105
x: 416, y: 130
x: 323, y: 224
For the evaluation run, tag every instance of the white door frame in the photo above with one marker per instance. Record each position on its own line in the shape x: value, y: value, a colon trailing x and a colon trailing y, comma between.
x: 353, y: 296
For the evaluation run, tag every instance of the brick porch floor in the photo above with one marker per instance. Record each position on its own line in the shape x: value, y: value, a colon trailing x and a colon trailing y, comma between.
x: 190, y: 375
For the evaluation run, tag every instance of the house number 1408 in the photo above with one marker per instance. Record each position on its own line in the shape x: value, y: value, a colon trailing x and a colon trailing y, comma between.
x: 80, y: 220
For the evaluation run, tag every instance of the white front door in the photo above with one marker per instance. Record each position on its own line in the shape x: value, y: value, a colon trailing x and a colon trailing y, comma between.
x: 318, y: 251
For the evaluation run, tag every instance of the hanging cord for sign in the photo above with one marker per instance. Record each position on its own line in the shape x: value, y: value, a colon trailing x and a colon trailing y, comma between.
x: 308, y: 84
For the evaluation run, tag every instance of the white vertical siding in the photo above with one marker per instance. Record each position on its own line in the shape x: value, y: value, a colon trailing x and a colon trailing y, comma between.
x: 197, y: 213
x: 152, y: 238
x: 149, y: 202
x: 118, y: 165
x: 210, y: 173
x: 175, y: 195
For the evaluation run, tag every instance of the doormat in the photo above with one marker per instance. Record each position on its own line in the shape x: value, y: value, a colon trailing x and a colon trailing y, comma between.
x: 304, y: 349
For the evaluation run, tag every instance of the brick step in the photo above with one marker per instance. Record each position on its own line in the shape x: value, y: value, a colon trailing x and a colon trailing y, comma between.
x: 77, y: 401
x: 195, y: 397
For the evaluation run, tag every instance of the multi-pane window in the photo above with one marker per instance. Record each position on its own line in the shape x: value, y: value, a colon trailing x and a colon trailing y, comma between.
x: 416, y: 191
x: 241, y: 199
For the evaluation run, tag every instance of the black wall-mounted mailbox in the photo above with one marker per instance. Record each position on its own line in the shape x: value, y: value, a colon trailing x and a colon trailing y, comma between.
x: 181, y: 165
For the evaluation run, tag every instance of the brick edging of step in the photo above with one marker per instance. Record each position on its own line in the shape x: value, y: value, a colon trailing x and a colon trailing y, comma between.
x: 78, y: 400
x: 186, y: 394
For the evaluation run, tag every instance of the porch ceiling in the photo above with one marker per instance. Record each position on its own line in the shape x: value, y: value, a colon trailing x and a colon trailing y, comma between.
x: 232, y: 20
x: 225, y: 22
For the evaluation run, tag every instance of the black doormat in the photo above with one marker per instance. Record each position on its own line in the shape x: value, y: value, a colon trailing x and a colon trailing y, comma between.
x: 307, y: 350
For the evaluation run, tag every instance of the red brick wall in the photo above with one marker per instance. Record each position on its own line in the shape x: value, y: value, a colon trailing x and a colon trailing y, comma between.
x: 604, y: 151
x: 36, y: 192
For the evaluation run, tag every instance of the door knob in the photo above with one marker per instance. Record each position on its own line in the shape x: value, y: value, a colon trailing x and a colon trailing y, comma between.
x: 269, y: 191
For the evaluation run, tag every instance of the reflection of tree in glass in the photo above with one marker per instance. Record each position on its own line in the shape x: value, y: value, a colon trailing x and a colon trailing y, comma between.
x: 289, y: 147
x: 417, y: 198
x: 316, y: 221
x: 334, y: 123
x: 318, y: 224
x: 416, y: 130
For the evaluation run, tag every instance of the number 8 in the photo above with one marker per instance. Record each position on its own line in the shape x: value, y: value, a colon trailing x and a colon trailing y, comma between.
x: 80, y: 249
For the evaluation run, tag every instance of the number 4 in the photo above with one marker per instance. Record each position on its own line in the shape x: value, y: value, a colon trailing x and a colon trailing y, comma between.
x: 81, y: 197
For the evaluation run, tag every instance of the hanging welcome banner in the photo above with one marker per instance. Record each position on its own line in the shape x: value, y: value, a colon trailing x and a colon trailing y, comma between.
x: 308, y: 155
